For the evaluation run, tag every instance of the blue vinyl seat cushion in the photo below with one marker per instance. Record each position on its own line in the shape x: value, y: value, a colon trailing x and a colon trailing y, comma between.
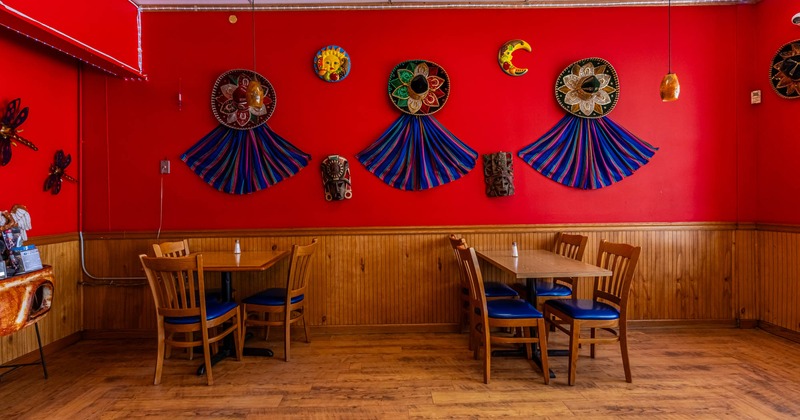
x: 511, y: 309
x: 214, y: 310
x: 496, y: 289
x: 585, y: 309
x: 549, y: 288
x: 271, y: 297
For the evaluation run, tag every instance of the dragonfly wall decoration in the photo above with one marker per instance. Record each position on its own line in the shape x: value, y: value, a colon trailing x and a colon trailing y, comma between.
x: 9, y: 134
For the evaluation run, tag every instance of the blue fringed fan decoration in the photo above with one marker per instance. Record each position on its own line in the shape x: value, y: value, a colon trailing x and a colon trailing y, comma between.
x: 417, y: 152
x: 586, y: 149
x: 243, y: 155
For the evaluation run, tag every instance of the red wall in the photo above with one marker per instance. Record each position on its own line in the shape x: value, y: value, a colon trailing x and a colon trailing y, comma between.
x: 130, y: 126
x: 47, y: 83
x: 777, y: 119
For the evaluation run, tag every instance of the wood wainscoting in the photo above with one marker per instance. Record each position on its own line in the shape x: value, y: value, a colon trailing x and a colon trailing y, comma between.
x: 64, y: 319
x: 382, y: 278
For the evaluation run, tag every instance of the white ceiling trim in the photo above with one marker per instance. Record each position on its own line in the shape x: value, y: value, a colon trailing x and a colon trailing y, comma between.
x: 288, y: 5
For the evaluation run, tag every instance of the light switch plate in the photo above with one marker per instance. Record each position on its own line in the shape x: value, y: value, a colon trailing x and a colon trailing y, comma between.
x: 164, y: 168
x: 755, y: 97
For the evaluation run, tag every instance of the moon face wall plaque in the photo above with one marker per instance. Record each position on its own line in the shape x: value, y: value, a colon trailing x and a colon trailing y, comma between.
x: 506, y: 55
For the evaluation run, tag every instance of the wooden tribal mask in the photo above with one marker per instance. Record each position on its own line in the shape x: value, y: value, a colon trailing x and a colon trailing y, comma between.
x: 336, y: 178
x: 498, y: 173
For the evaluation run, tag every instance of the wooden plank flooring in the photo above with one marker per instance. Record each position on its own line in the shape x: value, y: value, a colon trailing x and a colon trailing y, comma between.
x: 677, y: 373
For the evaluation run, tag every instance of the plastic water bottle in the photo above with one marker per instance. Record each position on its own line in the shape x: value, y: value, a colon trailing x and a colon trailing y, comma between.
x: 237, y: 249
x: 514, y: 252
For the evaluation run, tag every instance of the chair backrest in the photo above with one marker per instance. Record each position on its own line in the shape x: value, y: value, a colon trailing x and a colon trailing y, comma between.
x: 620, y: 259
x: 299, y: 270
x: 456, y: 242
x: 472, y: 271
x: 570, y: 246
x: 172, y: 249
x: 177, y: 284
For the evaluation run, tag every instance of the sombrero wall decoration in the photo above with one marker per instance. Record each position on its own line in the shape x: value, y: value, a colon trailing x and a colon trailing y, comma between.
x: 586, y: 149
x: 243, y: 155
x: 784, y: 71
x: 417, y: 152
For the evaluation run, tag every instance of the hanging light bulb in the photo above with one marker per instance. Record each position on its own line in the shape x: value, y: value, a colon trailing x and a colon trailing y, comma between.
x: 670, y: 86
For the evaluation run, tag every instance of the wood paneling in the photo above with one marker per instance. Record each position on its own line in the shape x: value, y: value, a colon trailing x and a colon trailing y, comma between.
x: 64, y: 317
x: 407, y: 276
x: 778, y: 287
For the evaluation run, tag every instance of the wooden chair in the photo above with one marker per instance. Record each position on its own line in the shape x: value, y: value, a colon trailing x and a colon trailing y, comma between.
x: 500, y: 313
x: 493, y: 289
x: 177, y: 283
x: 289, y: 301
x: 172, y: 249
x: 607, y: 310
x: 570, y: 246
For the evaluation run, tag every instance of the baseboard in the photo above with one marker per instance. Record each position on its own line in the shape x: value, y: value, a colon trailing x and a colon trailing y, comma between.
x: 393, y: 328
x: 681, y: 323
x: 780, y: 331
x: 748, y: 323
x: 48, y: 349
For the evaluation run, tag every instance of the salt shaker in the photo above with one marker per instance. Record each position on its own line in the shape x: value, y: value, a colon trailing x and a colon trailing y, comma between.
x: 514, y: 252
x: 237, y: 249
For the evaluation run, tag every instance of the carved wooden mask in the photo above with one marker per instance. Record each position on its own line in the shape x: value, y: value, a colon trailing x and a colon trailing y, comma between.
x: 336, y: 178
x: 498, y: 173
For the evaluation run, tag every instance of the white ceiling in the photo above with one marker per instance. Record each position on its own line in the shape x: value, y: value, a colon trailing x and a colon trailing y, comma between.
x: 211, y: 5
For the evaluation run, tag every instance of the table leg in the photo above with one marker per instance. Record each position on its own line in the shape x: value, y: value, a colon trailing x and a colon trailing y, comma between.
x: 227, y: 349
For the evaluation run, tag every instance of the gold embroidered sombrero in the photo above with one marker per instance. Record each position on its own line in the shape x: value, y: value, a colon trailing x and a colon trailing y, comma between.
x: 784, y: 73
x: 418, y: 87
x: 588, y: 88
x: 238, y: 102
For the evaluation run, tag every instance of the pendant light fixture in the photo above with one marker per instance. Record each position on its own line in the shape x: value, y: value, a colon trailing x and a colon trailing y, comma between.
x: 255, y: 93
x: 670, y: 86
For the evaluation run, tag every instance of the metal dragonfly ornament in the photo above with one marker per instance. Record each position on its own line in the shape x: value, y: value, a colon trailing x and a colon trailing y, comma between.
x: 57, y: 172
x: 9, y: 135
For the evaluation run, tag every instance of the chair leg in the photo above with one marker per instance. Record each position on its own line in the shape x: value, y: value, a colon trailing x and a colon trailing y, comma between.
x: 305, y: 326
x: 526, y: 334
x: 287, y: 336
x: 207, y: 356
x: 266, y: 331
x: 190, y: 350
x: 574, y: 338
x: 238, y: 335
x: 41, y: 351
x: 542, y: 328
x: 487, y: 356
x: 623, y: 345
x: 160, y: 356
x: 592, y: 346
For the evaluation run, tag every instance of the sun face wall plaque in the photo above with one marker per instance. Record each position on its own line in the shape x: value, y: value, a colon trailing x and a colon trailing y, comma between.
x: 332, y: 64
x: 243, y: 155
x: 417, y: 152
x: 784, y: 72
x: 586, y: 149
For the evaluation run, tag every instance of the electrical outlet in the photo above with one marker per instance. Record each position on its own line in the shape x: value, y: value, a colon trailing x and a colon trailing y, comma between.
x: 164, y: 168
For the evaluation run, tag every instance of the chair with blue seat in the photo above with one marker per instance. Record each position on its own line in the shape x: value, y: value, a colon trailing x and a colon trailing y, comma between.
x: 606, y: 311
x: 493, y: 289
x: 516, y: 314
x: 570, y: 246
x: 177, y: 284
x: 289, y: 300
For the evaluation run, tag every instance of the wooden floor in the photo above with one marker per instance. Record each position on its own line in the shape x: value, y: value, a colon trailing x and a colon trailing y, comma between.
x: 677, y: 373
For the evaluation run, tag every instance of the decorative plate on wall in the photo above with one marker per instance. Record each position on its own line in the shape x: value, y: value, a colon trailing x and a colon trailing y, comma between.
x: 418, y: 87
x: 784, y: 73
x: 332, y: 63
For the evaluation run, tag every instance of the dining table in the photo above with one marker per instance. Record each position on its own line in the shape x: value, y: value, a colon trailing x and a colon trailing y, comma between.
x: 533, y: 264
x: 226, y: 262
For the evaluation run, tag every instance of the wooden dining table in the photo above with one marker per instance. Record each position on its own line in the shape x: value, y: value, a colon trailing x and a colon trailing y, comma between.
x: 226, y: 262
x: 533, y: 264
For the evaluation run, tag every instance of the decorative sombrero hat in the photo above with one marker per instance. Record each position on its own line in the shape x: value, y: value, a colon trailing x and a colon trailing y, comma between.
x: 418, y: 87
x: 588, y: 88
x: 784, y: 73
x: 239, y: 103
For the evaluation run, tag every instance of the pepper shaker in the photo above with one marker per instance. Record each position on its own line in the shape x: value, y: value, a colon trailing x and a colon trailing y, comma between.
x: 237, y: 249
x: 514, y: 252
